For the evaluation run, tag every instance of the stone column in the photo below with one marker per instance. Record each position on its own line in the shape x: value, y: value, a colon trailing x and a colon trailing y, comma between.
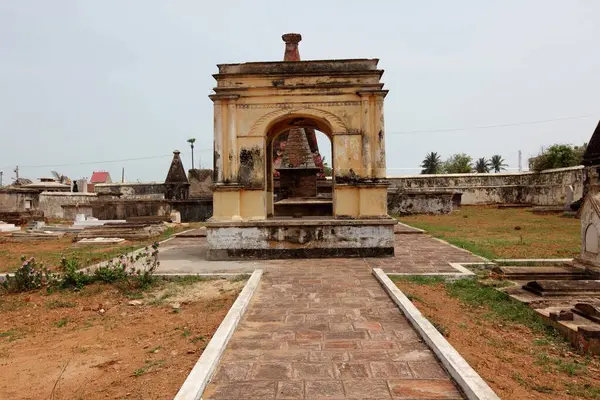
x: 232, y: 150
x: 218, y: 143
x: 379, y: 140
x: 365, y: 127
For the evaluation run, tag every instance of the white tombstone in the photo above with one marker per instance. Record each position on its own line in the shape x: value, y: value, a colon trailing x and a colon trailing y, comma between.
x: 569, y: 191
x: 4, y: 227
x: 175, y: 217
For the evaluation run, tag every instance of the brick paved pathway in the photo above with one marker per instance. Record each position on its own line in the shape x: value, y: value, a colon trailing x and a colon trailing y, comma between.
x: 414, y: 253
x: 325, y: 329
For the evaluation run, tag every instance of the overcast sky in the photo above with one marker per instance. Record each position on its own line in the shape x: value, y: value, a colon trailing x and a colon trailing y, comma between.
x: 86, y: 81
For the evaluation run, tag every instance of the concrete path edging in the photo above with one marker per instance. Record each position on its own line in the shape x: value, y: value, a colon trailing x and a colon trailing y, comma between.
x: 461, y: 249
x: 535, y: 261
x: 415, y: 230
x: 464, y: 273
x: 200, y: 376
x: 469, y: 381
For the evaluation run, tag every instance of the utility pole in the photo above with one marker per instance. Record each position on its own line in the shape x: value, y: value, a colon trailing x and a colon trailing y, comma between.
x: 520, y: 165
x: 123, y: 175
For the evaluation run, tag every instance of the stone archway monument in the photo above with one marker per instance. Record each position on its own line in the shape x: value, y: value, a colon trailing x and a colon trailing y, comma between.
x: 254, y: 103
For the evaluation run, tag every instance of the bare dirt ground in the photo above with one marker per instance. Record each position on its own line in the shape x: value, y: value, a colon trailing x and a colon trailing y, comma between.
x: 93, y: 344
x: 515, y: 361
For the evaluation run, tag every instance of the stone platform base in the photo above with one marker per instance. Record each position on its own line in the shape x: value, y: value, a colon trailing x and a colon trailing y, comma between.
x: 300, y: 238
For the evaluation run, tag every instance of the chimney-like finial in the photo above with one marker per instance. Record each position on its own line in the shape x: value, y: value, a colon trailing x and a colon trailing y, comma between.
x: 291, y: 46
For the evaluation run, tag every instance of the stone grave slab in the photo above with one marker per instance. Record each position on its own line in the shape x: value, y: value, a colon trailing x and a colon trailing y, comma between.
x: 563, y: 288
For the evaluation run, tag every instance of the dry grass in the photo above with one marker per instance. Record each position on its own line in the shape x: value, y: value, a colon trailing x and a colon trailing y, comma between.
x: 504, y: 233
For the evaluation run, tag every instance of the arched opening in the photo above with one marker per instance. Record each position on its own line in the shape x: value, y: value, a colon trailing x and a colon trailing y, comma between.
x: 299, y: 169
x: 591, y: 239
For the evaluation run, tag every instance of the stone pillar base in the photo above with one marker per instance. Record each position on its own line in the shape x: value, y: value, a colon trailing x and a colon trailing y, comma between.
x: 316, y: 238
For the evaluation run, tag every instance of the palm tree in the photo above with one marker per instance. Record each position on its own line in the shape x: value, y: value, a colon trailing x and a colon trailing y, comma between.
x: 482, y: 165
x: 432, y: 164
x: 191, y: 141
x: 497, y: 163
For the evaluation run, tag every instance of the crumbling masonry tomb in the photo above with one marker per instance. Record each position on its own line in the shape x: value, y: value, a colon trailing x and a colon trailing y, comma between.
x: 255, y: 103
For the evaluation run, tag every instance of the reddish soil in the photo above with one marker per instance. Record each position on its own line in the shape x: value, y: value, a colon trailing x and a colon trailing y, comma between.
x: 63, y: 346
x: 516, y: 362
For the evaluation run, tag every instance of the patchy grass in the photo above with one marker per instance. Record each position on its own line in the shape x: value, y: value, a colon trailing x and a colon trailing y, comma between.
x: 503, y: 233
x: 61, y: 323
x: 504, y: 340
x: 498, y: 304
x: 150, y: 366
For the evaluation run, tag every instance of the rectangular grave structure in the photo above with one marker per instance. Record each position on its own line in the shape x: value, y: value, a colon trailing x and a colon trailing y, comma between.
x: 589, y: 213
x: 255, y: 104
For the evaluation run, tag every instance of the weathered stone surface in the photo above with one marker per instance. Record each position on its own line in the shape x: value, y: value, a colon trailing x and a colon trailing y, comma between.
x: 549, y: 187
x: 303, y: 239
x: 540, y: 272
x: 561, y: 288
x: 423, y: 389
x: 356, y: 357
x: 562, y: 315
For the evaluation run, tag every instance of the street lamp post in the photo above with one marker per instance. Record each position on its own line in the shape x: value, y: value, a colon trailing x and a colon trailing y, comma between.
x: 191, y: 141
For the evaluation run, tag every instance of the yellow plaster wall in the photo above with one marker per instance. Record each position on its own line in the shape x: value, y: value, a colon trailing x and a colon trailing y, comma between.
x: 373, y: 201
x: 226, y: 204
x: 347, y: 154
x: 253, y: 204
x: 346, y: 201
x: 251, y: 143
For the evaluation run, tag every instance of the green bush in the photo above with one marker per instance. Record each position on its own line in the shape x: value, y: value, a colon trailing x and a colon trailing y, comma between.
x: 32, y: 276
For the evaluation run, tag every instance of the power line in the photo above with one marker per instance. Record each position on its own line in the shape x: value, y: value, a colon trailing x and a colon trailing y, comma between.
x: 100, y: 162
x: 490, y: 126
x: 389, y: 133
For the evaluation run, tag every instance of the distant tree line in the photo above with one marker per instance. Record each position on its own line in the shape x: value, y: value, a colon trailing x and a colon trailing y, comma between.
x: 461, y: 163
x: 555, y: 156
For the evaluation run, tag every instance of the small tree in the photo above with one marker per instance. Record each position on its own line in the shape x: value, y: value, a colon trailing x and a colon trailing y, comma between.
x: 432, y: 164
x: 497, y: 163
x: 482, y: 165
x: 458, y: 164
x: 191, y: 141
x: 557, y: 156
x: 327, y: 171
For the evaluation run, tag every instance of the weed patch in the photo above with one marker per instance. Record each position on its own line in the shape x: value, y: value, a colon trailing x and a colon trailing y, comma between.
x: 125, y: 270
x: 61, y: 323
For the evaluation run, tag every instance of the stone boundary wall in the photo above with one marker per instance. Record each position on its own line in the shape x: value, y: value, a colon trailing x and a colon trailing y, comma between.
x: 51, y: 202
x: 145, y: 191
x: 546, y: 188
x: 422, y: 203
